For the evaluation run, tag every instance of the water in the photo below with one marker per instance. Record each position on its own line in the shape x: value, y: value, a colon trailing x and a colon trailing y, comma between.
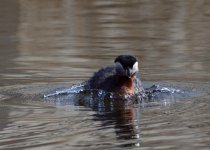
x: 50, y: 45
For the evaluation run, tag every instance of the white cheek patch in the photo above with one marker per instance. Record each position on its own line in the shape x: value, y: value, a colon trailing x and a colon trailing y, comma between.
x: 135, y: 68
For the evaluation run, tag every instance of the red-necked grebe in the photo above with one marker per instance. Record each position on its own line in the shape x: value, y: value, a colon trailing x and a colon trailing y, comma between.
x: 121, y: 78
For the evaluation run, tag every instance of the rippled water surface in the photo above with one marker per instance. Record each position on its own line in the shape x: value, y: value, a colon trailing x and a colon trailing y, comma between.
x: 49, y: 45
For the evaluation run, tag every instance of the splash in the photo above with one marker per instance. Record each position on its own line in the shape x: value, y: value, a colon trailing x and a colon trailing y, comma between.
x: 75, y: 89
x: 155, y: 92
x: 158, y: 88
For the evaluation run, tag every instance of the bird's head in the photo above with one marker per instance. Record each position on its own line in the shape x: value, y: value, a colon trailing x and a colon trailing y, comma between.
x: 126, y: 65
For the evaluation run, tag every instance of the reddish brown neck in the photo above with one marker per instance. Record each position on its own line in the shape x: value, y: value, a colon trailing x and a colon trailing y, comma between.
x: 126, y: 85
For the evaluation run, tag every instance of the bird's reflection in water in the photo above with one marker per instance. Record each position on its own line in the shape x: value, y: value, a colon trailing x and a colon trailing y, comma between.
x: 112, y: 111
x: 120, y: 112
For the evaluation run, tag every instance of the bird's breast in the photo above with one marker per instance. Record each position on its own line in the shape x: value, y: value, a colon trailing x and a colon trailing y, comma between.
x: 126, y: 85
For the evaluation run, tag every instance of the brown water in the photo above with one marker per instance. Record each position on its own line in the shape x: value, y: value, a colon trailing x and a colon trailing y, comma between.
x: 47, y: 44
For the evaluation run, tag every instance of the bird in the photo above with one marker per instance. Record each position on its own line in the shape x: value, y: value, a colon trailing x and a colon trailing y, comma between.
x: 121, y: 78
